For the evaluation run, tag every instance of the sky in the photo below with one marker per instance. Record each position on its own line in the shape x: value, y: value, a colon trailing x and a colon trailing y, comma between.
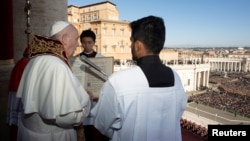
x: 191, y: 23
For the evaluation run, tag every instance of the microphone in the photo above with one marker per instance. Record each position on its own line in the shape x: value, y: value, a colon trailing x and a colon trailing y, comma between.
x: 89, y: 62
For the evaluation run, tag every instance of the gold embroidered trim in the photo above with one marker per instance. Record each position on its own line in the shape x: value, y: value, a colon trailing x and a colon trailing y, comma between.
x: 45, y: 46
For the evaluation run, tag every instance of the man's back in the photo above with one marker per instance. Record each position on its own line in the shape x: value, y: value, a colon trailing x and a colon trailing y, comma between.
x: 144, y: 113
x: 146, y: 102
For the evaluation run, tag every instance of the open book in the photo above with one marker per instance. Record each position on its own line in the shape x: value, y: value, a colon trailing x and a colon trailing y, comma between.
x: 91, y: 78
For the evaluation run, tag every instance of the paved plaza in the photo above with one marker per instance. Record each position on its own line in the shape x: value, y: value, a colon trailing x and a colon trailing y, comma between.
x: 204, y: 115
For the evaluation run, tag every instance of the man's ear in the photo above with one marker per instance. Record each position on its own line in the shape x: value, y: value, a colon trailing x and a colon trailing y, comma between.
x: 139, y: 48
x: 65, y: 39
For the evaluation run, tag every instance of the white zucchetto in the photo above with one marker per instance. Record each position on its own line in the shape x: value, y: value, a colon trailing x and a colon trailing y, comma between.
x: 57, y: 27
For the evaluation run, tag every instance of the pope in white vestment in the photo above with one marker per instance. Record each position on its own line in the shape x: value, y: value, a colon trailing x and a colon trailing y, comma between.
x: 54, y: 100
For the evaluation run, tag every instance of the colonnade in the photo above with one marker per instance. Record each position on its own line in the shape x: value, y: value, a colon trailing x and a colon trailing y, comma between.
x: 229, y: 64
x: 193, y: 76
x: 201, y: 79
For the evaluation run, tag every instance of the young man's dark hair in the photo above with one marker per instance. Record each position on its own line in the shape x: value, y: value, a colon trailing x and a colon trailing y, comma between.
x: 88, y: 33
x: 88, y: 39
x: 151, y: 31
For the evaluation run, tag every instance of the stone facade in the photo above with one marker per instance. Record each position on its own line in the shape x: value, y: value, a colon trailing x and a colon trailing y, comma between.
x: 112, y: 34
x: 43, y: 14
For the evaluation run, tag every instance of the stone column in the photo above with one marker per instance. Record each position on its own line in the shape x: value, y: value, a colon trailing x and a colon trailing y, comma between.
x: 224, y: 66
x: 235, y: 64
x: 195, y: 79
x: 204, y: 79
x: 43, y: 14
x: 207, y: 78
x: 198, y: 80
x: 238, y: 66
x: 217, y: 66
x: 227, y: 66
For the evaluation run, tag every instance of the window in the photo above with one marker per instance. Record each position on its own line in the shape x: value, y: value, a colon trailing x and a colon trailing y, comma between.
x: 114, y: 48
x: 122, y: 49
x: 95, y: 16
x: 95, y: 31
x: 113, y: 31
x: 122, y: 32
x: 105, y: 48
x: 89, y: 17
x: 104, y: 30
x: 83, y: 18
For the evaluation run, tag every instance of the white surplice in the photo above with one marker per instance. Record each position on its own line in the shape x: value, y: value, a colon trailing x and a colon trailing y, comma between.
x: 129, y: 110
x: 53, y: 100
